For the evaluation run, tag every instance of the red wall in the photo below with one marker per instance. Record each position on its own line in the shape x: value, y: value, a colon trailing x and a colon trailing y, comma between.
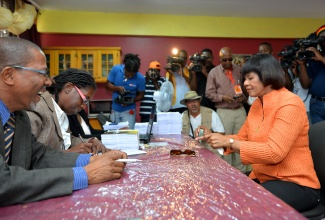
x: 157, y: 48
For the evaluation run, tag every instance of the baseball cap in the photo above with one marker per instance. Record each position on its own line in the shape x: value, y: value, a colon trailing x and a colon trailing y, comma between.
x: 320, y: 30
x: 154, y: 65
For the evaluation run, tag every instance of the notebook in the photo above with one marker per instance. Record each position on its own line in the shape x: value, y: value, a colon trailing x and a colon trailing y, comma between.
x: 145, y: 138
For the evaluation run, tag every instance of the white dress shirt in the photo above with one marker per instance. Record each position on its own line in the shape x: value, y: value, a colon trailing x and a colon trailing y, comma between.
x: 64, y: 125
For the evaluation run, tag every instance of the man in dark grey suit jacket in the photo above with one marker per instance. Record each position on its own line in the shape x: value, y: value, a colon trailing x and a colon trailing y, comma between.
x: 26, y: 176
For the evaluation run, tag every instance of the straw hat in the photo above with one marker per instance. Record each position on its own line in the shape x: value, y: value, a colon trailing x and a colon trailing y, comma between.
x: 190, y: 95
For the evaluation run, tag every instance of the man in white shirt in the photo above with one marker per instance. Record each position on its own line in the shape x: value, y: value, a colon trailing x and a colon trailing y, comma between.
x: 198, y: 116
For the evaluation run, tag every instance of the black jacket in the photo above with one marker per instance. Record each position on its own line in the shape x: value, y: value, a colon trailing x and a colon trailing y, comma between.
x: 76, y: 129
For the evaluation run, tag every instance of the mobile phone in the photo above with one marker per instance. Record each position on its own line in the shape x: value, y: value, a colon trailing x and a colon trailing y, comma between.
x: 201, y: 132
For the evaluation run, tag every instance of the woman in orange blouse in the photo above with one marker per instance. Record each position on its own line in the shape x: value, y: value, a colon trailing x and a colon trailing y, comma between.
x: 274, y: 137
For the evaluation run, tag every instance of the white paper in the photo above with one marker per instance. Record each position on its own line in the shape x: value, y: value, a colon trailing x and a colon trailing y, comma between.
x: 142, y: 127
x: 130, y: 152
x: 110, y: 126
x: 220, y: 150
x: 169, y: 122
x: 121, y: 140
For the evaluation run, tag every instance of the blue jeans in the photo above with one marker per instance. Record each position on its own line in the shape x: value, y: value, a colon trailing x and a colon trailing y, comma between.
x: 317, y: 111
x: 128, y: 115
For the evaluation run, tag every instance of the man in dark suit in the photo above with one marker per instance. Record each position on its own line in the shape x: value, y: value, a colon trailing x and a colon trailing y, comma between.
x: 30, y: 171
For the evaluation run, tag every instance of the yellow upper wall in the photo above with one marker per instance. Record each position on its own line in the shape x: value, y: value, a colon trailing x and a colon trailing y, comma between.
x: 175, y: 26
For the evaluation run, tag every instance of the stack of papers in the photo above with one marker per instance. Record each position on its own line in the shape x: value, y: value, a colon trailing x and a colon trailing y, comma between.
x: 121, y: 140
x: 142, y: 128
x: 115, y: 126
x: 169, y: 122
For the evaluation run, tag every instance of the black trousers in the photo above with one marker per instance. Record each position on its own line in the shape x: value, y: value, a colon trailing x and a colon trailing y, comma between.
x: 301, y: 198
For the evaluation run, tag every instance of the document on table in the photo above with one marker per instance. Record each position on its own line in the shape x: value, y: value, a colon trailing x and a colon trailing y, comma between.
x: 142, y: 127
x: 121, y: 139
x: 117, y: 126
x: 169, y: 123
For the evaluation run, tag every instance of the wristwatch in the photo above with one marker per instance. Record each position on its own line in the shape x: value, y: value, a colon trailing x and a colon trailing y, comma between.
x: 231, y: 141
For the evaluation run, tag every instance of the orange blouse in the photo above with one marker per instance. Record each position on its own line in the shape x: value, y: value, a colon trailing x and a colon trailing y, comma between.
x: 274, y: 139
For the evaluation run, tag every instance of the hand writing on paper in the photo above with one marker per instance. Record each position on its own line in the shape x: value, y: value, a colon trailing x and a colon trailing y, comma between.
x: 97, y: 146
x: 83, y: 148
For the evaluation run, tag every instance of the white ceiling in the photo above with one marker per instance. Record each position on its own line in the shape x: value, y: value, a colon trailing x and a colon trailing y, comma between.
x: 220, y: 8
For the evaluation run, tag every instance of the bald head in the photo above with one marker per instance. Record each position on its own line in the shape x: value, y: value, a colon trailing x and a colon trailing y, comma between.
x: 225, y: 55
x: 225, y: 51
x: 16, y: 51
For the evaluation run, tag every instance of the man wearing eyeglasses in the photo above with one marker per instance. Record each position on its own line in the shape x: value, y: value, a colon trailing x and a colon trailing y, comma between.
x: 224, y: 89
x: 29, y: 170
x: 73, y: 88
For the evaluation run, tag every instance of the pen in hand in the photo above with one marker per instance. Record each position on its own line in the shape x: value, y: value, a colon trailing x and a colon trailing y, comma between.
x: 82, y: 140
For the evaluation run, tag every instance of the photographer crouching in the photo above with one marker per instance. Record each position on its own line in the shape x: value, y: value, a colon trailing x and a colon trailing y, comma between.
x: 312, y: 75
x: 128, y: 86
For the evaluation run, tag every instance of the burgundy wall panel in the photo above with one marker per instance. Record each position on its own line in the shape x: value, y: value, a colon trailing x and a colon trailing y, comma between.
x: 157, y: 48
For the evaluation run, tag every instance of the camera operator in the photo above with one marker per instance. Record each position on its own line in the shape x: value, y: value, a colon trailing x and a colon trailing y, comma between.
x: 312, y: 77
x: 128, y: 86
x: 199, y: 78
x: 179, y: 75
x: 153, y: 83
x: 297, y: 88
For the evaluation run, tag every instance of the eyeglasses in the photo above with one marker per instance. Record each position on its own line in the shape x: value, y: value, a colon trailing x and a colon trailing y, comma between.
x: 83, y: 97
x: 180, y: 152
x: 226, y: 59
x: 43, y: 72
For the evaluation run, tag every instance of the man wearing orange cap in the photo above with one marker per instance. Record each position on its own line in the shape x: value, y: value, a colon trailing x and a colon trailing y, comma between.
x: 153, y: 83
x: 312, y: 77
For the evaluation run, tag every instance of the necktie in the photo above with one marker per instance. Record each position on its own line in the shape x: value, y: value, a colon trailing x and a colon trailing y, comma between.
x: 8, y: 134
x: 229, y: 75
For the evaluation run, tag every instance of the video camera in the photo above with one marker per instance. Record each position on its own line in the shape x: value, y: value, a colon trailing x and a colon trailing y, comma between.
x: 175, y: 62
x: 124, y: 99
x: 197, y: 61
x: 289, y: 53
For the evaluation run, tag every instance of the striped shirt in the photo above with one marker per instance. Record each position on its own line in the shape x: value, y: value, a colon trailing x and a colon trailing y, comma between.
x: 148, y: 101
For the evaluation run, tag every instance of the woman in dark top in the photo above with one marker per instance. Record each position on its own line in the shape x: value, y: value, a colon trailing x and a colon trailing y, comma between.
x: 76, y: 128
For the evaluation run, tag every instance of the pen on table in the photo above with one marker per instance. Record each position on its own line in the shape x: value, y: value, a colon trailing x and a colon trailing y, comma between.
x: 128, y: 160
